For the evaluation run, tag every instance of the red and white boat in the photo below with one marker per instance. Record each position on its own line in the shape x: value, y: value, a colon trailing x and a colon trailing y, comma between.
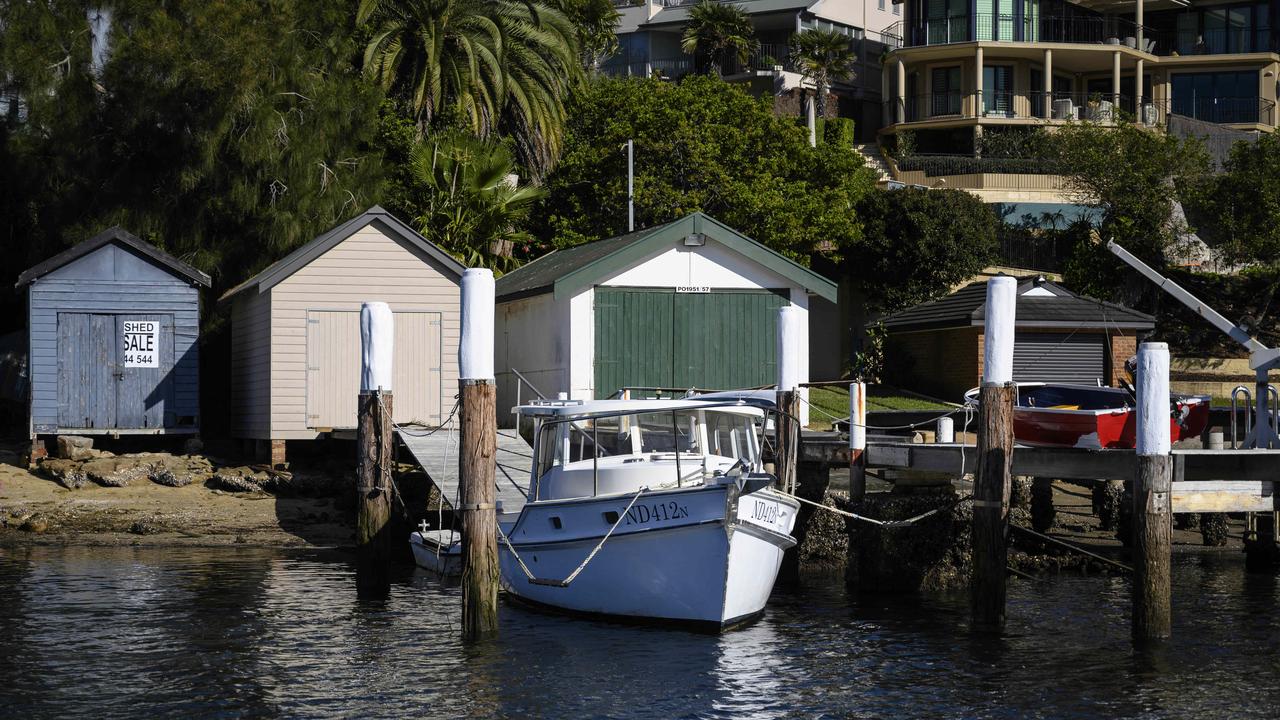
x: 1084, y: 416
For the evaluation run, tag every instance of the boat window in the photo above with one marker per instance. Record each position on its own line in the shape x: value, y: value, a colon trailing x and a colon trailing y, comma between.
x: 730, y: 435
x: 600, y: 437
x: 548, y: 447
x: 668, y: 432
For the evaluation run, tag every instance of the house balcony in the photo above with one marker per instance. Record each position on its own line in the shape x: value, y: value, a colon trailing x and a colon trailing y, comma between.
x: 1001, y: 107
x: 1113, y: 31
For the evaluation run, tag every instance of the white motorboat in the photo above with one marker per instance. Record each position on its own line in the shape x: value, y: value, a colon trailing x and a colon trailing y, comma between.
x: 645, y: 509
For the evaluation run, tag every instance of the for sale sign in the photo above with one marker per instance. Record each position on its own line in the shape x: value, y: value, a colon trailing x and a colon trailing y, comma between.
x: 141, y: 343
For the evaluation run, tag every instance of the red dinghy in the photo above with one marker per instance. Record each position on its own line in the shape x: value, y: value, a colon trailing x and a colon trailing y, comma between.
x: 1083, y: 416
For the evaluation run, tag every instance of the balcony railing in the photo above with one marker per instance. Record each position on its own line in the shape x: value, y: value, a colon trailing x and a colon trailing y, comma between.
x: 1008, y: 28
x: 1005, y: 104
x: 935, y: 165
x: 1226, y: 110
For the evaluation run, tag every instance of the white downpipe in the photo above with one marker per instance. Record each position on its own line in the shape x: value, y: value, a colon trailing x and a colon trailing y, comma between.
x: 997, y: 351
x: 377, y: 346
x: 1153, y: 399
x: 475, y: 350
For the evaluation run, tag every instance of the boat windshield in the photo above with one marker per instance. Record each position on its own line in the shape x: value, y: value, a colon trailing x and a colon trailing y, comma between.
x: 588, y: 456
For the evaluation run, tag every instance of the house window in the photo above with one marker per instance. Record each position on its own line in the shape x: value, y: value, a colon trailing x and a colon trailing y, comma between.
x: 897, y: 9
x: 945, y: 98
x: 997, y: 90
x: 946, y: 21
x: 879, y: 4
x: 1221, y: 97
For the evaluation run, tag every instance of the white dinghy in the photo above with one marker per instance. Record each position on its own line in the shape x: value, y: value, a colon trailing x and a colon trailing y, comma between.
x: 646, y: 509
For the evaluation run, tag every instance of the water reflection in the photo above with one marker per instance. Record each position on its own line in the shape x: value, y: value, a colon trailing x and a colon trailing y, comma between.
x: 118, y: 632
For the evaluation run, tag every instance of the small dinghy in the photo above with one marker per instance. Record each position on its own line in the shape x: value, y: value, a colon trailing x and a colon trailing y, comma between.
x: 643, y: 509
x: 1084, y: 416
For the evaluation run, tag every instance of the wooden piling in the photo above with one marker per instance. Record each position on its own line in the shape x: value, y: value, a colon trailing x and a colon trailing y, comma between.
x: 374, y: 433
x: 991, y: 502
x: 995, y: 455
x: 477, y: 465
x: 1152, y: 513
x: 857, y: 441
x: 788, y: 397
x: 477, y: 460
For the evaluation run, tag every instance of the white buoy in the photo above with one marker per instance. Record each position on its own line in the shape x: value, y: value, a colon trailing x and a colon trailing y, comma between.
x: 377, y: 346
x: 945, y: 431
x: 475, y: 350
x: 997, y: 351
x: 788, y: 348
x: 1153, y: 399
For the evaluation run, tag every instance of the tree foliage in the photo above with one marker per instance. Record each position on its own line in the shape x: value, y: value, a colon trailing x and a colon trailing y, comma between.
x: 1133, y: 176
x: 718, y: 31
x: 700, y: 144
x: 226, y: 133
x: 824, y: 56
x: 1240, y: 209
x: 918, y: 244
x: 491, y: 66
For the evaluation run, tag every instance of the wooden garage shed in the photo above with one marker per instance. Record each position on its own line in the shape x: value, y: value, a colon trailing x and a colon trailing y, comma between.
x: 690, y: 303
x: 295, y: 332
x: 936, y: 347
x: 114, y: 324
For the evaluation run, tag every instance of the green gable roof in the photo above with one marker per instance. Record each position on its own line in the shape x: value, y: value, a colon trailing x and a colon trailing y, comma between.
x: 571, y: 270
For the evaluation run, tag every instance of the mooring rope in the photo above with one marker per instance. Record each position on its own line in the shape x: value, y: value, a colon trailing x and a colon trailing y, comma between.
x: 583, y: 565
x: 882, y: 523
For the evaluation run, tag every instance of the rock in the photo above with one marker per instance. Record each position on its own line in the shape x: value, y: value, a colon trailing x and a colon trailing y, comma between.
x: 165, y: 476
x: 66, y: 473
x: 34, y: 524
x: 193, y: 446
x: 1020, y: 491
x: 235, y: 480
x: 932, y: 554
x: 144, y: 527
x: 116, y: 472
x: 825, y: 546
x: 1043, y: 513
x: 74, y: 447
x: 1213, y: 529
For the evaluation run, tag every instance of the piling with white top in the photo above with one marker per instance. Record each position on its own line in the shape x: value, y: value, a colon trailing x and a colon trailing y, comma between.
x: 993, y: 478
x: 945, y: 430
x: 1152, y: 511
x: 477, y: 458
x: 857, y: 441
x: 374, y: 431
x: 788, y: 398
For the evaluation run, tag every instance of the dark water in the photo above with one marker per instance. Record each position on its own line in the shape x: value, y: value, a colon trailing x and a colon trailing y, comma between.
x: 108, y: 632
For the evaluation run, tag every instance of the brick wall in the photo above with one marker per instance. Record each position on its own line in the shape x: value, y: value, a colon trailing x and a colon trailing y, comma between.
x: 941, y: 363
x: 1124, y: 345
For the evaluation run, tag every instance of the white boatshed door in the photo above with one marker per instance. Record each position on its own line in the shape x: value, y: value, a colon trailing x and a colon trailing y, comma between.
x: 333, y: 368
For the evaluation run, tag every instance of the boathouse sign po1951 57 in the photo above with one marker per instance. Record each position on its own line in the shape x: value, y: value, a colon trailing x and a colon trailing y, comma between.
x: 141, y: 341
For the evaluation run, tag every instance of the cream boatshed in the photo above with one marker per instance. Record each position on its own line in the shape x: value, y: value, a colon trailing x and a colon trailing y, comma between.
x: 691, y: 303
x: 295, y: 347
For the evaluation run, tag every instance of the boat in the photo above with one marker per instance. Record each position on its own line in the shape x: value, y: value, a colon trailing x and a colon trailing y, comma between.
x: 1086, y: 416
x: 656, y: 510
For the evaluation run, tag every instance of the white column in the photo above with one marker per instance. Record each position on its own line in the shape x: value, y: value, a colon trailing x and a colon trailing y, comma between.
x: 1047, y: 110
x: 977, y: 81
x: 900, y: 111
x: 1153, y: 399
x: 1137, y: 88
x: 1142, y: 46
x: 997, y: 340
x: 1115, y: 79
x: 475, y: 350
x: 377, y: 346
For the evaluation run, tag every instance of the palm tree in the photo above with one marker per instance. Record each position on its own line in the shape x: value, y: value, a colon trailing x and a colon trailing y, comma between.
x: 718, y: 30
x: 824, y: 56
x: 487, y: 65
x: 470, y: 202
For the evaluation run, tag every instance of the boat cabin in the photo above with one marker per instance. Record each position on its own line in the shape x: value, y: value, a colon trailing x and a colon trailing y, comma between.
x: 608, y: 447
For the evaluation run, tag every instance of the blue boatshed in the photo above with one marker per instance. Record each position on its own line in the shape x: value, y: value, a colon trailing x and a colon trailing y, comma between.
x: 114, y: 324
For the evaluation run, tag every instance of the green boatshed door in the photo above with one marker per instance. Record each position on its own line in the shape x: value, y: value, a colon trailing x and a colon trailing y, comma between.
x: 656, y: 337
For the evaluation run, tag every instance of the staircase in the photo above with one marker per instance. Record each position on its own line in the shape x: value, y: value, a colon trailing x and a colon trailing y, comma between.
x: 871, y: 155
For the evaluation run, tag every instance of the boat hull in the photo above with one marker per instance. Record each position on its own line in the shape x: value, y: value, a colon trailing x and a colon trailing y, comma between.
x: 703, y: 559
x: 1102, y: 428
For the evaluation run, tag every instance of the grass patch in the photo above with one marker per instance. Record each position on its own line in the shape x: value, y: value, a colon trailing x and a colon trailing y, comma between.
x: 834, y: 401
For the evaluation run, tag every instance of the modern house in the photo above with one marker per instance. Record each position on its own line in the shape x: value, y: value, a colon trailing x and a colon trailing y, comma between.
x: 114, y: 325
x: 936, y: 347
x: 649, y: 45
x: 690, y: 303
x: 295, y: 333
x: 969, y: 66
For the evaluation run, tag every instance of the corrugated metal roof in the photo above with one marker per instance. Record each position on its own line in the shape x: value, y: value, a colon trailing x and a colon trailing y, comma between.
x: 966, y: 307
x: 540, y: 275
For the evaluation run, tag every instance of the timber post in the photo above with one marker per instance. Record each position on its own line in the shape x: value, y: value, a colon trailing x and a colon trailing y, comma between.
x: 374, y: 433
x: 788, y: 400
x: 477, y: 457
x: 995, y: 456
x: 857, y: 441
x: 1152, y: 512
